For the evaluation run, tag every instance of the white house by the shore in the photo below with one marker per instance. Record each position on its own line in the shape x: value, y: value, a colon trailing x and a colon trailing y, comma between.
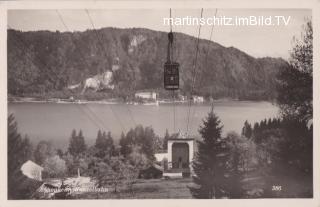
x: 146, y: 95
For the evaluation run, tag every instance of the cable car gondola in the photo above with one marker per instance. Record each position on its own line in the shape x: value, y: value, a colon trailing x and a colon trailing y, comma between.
x: 171, y: 68
x: 171, y: 76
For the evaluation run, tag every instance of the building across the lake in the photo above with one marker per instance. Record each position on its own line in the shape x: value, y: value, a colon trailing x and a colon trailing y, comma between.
x: 198, y: 99
x: 177, y: 160
x: 146, y: 95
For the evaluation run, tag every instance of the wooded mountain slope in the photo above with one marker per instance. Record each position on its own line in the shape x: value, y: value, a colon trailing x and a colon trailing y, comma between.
x: 41, y: 62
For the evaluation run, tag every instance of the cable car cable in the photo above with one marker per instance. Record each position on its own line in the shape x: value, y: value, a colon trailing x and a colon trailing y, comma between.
x: 205, y: 66
x: 103, y: 48
x: 96, y: 32
x: 171, y: 58
x: 105, y: 127
x: 105, y: 51
x: 23, y: 47
x: 194, y: 74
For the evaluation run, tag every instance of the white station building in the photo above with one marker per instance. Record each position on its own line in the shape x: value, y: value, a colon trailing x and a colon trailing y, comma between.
x: 177, y: 160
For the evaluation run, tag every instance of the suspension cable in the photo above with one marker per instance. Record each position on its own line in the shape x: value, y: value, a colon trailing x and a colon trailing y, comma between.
x: 105, y: 126
x: 205, y: 66
x: 104, y: 49
x: 24, y: 48
x: 194, y: 74
x: 171, y: 58
x: 96, y: 32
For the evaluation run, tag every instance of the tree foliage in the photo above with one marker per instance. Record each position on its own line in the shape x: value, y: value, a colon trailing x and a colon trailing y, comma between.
x: 246, y: 130
x: 143, y: 137
x: 55, y: 167
x: 242, y: 159
x: 104, y: 144
x: 19, y: 151
x: 77, y: 145
x: 43, y: 151
x: 42, y: 63
x: 295, y: 81
x: 210, y: 161
x: 283, y: 143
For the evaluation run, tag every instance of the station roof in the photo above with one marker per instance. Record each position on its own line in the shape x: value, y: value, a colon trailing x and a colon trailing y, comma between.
x: 181, y: 139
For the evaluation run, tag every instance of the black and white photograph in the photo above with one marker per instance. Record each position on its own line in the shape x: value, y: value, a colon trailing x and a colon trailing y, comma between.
x: 159, y: 103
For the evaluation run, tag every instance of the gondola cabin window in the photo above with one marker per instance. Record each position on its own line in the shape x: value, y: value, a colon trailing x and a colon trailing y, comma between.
x: 171, y: 76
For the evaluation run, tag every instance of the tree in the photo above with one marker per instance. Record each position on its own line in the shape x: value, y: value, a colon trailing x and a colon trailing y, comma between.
x: 126, y: 142
x: 144, y: 137
x: 22, y: 72
x: 99, y: 141
x: 27, y: 150
x: 100, y: 172
x: 55, y: 167
x: 101, y: 144
x: 295, y: 81
x: 60, y: 153
x: 77, y: 145
x: 210, y: 161
x: 246, y: 130
x: 137, y: 161
x: 111, y: 173
x: 110, y: 144
x: 104, y: 144
x: 242, y: 158
x: 43, y: 151
x: 19, y: 151
x: 165, y: 140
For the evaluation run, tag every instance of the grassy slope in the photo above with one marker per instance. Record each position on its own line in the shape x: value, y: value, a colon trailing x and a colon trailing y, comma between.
x: 149, y: 189
x: 178, y: 189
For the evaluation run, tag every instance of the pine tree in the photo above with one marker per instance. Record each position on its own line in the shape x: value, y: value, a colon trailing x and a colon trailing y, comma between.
x: 101, y: 144
x: 77, y: 144
x: 125, y: 143
x: 100, y: 141
x: 165, y: 140
x: 246, y: 130
x: 110, y: 144
x: 209, y: 164
x: 19, y: 151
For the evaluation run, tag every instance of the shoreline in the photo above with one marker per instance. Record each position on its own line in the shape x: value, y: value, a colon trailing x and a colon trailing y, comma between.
x: 114, y: 102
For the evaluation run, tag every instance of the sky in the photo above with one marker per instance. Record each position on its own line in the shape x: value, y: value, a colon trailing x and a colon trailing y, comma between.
x: 257, y: 41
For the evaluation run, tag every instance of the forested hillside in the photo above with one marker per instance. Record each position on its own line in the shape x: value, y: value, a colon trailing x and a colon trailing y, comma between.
x: 43, y: 62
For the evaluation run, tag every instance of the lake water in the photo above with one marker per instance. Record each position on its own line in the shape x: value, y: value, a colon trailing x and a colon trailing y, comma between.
x: 55, y: 121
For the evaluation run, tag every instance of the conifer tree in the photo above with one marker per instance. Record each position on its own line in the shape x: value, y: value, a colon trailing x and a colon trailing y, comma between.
x: 19, y: 151
x: 165, y: 140
x: 99, y: 139
x: 246, y: 130
x: 209, y: 164
x: 125, y: 143
x: 110, y: 144
x: 77, y: 144
x: 101, y: 144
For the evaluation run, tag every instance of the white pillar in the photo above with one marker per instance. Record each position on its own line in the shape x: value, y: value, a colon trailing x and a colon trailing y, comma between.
x: 191, y: 153
x: 170, y: 154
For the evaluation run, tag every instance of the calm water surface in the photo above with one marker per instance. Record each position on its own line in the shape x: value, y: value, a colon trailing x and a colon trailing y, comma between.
x: 55, y: 121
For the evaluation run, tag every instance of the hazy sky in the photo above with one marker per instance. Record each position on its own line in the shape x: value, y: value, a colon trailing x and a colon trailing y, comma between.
x: 258, y: 41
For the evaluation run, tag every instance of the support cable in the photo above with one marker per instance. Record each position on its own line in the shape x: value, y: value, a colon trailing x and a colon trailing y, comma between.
x: 194, y: 75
